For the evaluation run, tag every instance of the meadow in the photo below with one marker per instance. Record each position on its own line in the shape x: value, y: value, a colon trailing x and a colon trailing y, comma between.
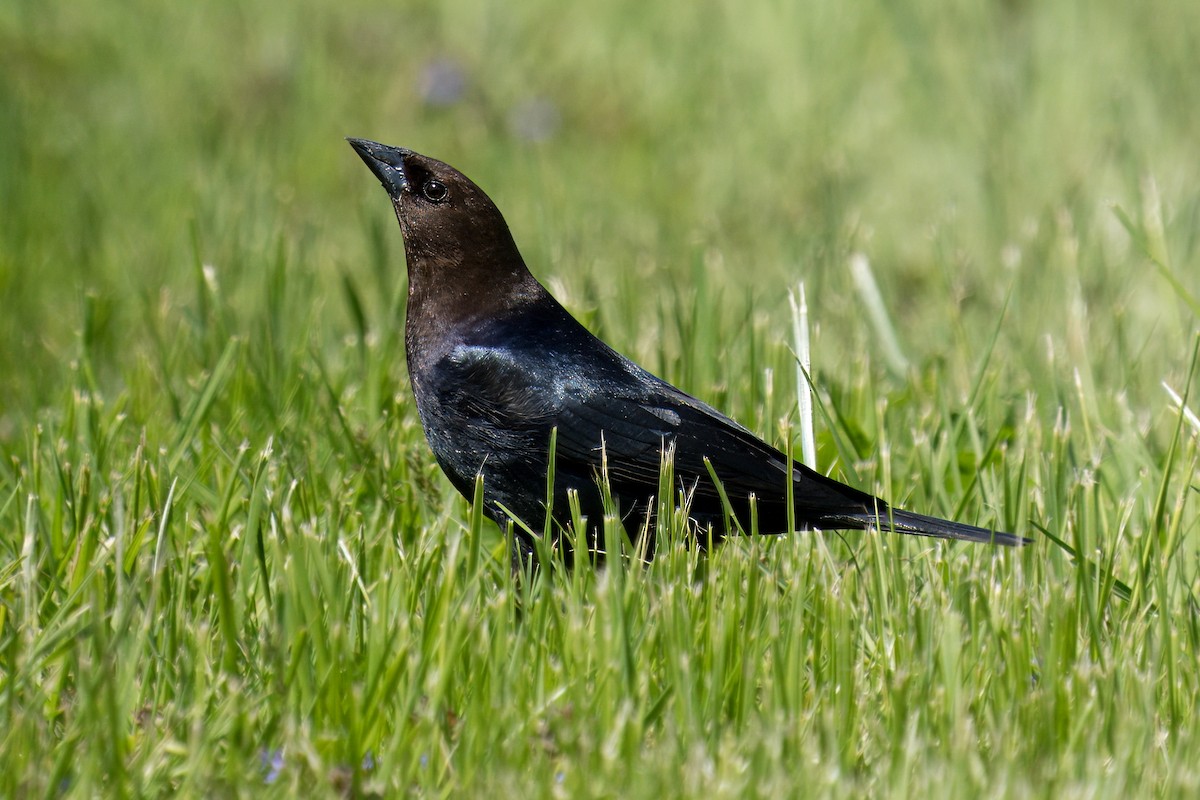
x: 229, y: 565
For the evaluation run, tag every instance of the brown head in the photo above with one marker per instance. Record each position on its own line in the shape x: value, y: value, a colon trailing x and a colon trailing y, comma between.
x: 462, y: 261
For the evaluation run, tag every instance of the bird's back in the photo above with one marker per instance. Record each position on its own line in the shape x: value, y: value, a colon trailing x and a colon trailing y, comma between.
x: 489, y: 403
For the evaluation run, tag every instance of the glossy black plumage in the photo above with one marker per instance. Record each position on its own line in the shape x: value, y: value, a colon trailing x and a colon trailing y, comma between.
x: 496, y: 363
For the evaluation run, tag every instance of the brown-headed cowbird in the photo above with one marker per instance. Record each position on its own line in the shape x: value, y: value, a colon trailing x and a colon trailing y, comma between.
x: 497, y: 363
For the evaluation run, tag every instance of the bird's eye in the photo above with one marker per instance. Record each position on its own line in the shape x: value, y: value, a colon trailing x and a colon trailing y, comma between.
x: 435, y: 191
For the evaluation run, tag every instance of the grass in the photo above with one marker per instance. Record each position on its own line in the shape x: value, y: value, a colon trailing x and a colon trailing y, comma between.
x: 229, y: 565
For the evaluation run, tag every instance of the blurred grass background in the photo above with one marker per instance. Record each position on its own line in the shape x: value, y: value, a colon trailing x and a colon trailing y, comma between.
x: 212, y: 465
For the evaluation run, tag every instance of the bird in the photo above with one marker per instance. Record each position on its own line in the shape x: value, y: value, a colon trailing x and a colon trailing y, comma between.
x: 500, y: 370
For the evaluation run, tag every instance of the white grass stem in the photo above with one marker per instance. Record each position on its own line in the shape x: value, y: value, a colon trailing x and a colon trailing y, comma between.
x: 868, y: 292
x: 804, y: 389
x: 1188, y: 414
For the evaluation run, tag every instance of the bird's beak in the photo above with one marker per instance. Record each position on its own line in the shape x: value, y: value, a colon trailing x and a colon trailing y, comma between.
x: 386, y: 162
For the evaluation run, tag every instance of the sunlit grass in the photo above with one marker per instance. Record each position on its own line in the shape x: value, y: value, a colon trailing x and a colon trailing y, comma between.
x: 230, y: 566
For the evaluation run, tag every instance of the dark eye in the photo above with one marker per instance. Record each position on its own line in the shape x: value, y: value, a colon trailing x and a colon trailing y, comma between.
x: 435, y: 191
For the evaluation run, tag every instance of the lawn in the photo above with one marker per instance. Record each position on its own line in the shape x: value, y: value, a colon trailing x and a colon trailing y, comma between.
x: 229, y: 565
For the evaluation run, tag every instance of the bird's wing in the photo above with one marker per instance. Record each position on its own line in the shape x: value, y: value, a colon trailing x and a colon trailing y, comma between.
x: 609, y: 407
x: 637, y: 420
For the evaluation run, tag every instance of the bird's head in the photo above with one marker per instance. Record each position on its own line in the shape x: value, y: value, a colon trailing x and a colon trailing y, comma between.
x: 447, y: 221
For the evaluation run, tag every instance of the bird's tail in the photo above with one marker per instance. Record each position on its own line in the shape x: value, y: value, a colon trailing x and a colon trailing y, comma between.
x: 920, y: 525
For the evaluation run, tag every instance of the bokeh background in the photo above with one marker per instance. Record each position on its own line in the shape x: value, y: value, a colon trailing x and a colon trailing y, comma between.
x: 972, y: 150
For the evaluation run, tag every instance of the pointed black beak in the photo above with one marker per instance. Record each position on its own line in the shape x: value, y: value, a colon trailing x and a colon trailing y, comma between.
x: 386, y: 162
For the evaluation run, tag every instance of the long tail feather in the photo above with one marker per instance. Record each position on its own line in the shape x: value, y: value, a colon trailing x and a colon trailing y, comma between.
x: 920, y: 525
